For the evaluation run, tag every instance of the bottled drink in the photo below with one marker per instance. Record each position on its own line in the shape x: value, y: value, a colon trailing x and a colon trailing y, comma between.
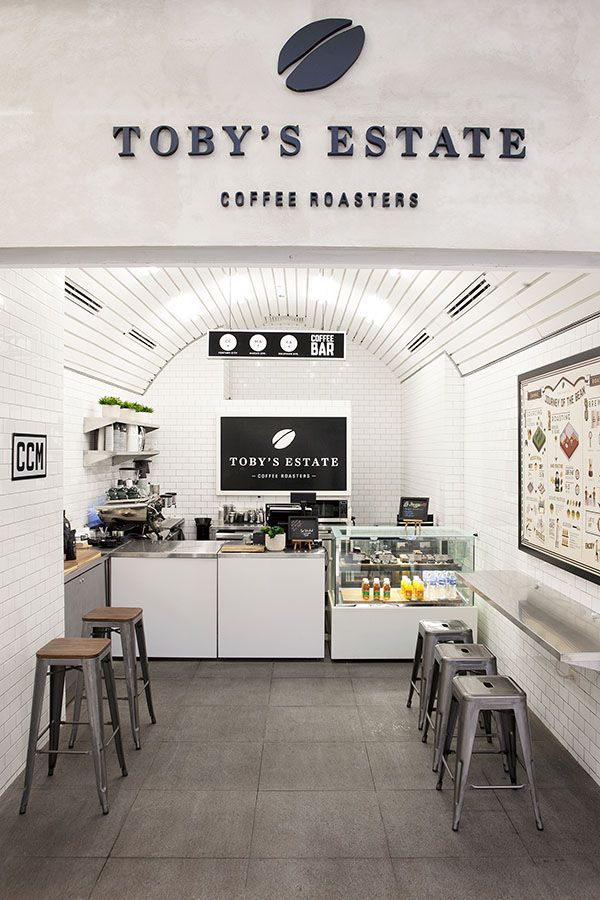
x: 366, y: 590
x: 386, y: 590
x: 452, y: 590
x: 376, y: 590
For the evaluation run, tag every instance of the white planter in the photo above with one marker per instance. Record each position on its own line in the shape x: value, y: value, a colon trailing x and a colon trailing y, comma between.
x: 128, y: 415
x: 276, y: 543
x: 108, y: 411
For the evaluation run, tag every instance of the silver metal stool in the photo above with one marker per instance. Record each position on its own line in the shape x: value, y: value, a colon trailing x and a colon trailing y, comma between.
x: 429, y: 635
x: 450, y: 660
x: 471, y: 695
x: 92, y: 657
x: 128, y: 622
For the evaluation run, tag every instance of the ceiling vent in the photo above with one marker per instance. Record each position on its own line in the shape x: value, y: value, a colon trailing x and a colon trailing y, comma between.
x: 84, y: 300
x: 418, y: 341
x: 468, y: 298
x: 142, y: 339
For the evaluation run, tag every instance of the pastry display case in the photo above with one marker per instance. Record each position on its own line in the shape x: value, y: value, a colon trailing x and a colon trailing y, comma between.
x: 388, y: 578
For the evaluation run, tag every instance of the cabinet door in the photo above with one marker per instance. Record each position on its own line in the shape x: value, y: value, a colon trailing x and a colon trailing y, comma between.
x: 92, y: 589
x: 82, y: 593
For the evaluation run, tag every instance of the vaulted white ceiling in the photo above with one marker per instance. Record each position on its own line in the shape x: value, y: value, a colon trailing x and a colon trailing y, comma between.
x: 124, y: 324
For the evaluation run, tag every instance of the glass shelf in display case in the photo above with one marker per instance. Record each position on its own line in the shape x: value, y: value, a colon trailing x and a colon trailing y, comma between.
x: 423, y: 573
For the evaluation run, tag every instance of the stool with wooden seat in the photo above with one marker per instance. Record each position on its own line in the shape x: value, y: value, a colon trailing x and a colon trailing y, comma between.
x: 472, y: 695
x: 430, y: 634
x: 90, y: 656
x: 129, y: 623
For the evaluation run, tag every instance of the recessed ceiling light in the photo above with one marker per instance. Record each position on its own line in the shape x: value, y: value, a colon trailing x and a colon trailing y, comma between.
x: 373, y: 309
x: 324, y: 287
x: 238, y: 287
x: 185, y: 306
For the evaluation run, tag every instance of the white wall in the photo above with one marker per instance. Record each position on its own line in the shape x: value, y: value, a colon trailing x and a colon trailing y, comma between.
x: 31, y: 571
x: 566, y: 698
x: 188, y: 393
x: 142, y: 63
x: 432, y: 439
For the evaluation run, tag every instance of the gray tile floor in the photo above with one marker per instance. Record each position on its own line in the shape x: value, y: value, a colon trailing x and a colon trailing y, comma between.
x: 294, y: 779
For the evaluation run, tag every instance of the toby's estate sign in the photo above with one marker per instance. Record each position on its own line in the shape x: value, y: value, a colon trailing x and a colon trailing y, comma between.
x: 277, y: 454
x: 321, y: 53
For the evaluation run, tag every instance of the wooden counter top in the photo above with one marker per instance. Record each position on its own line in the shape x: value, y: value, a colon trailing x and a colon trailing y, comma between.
x: 84, y: 558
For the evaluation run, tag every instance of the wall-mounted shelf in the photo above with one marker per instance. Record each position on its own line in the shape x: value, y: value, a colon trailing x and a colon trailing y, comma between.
x: 93, y: 423
x: 94, y: 457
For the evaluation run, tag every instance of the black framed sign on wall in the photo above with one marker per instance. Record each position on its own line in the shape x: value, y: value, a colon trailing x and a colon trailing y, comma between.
x: 559, y: 464
x: 29, y: 456
x: 279, y: 454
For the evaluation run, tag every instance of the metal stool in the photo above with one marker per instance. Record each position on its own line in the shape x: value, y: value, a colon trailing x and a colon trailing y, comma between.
x: 450, y: 660
x: 91, y: 656
x: 128, y: 622
x: 429, y: 635
x: 471, y: 695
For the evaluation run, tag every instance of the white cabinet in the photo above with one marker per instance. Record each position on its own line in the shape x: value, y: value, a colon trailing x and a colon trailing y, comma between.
x: 179, y: 599
x: 272, y: 605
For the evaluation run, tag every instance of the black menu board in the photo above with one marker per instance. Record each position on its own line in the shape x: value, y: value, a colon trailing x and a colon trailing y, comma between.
x: 303, y: 528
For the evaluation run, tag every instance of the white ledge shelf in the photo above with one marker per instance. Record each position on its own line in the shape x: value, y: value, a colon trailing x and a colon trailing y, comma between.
x: 94, y: 457
x: 93, y: 423
x: 567, y: 629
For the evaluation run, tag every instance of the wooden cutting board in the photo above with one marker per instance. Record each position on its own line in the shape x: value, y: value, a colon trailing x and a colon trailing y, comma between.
x: 83, y: 558
x: 243, y: 548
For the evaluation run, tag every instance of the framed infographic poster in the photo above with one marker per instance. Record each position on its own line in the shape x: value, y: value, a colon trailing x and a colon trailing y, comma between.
x: 559, y: 464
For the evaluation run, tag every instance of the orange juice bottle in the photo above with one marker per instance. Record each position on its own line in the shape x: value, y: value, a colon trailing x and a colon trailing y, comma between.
x: 376, y: 590
x: 366, y: 590
x: 386, y: 590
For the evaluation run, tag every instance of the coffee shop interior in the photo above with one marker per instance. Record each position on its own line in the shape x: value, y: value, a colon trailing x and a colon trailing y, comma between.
x: 332, y: 576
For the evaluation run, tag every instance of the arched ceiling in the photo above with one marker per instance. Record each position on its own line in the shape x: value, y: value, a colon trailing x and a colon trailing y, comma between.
x: 124, y: 324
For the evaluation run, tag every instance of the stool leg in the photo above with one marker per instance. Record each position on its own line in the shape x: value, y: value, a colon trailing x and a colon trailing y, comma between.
x: 128, y: 644
x: 39, y: 685
x: 452, y: 719
x: 57, y: 686
x: 141, y: 642
x: 487, y: 724
x: 525, y: 739
x: 76, y: 708
x: 426, y: 667
x: 441, y: 718
x: 86, y: 631
x: 415, y: 670
x: 467, y: 729
x: 92, y: 679
x: 435, y: 677
x: 111, y: 693
x: 507, y: 727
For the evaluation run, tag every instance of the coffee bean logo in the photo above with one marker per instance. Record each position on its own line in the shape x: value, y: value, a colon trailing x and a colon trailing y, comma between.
x: 283, y: 438
x: 327, y: 48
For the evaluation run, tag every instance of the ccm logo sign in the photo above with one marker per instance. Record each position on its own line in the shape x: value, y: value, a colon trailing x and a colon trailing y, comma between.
x: 29, y: 453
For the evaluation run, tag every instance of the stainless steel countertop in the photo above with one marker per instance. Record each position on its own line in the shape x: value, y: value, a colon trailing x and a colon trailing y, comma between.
x: 568, y: 630
x: 169, y: 550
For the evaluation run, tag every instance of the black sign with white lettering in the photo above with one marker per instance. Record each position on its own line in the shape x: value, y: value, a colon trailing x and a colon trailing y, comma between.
x: 303, y: 528
x: 29, y: 456
x: 273, y: 454
x: 277, y: 344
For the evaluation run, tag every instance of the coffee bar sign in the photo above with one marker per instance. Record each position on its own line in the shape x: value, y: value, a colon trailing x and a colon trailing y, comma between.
x: 313, y: 345
x: 279, y: 454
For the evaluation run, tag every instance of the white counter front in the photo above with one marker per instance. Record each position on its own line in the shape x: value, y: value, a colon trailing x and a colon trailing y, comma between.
x: 271, y: 605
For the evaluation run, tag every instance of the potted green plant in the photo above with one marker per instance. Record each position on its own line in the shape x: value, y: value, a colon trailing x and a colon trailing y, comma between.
x: 274, y: 537
x: 145, y: 413
x: 109, y: 405
x: 128, y: 412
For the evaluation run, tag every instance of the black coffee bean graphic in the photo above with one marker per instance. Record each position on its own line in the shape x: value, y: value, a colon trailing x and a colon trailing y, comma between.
x: 327, y: 48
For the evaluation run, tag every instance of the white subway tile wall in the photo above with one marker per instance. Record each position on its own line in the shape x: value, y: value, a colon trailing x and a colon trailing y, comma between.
x: 432, y: 439
x: 31, y: 570
x: 567, y: 699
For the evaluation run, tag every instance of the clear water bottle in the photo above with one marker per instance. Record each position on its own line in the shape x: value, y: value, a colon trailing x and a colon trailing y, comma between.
x: 441, y: 586
x: 452, y: 589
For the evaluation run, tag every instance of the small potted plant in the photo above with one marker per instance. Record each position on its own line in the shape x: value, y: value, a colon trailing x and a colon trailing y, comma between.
x: 109, y: 405
x: 128, y: 411
x: 274, y: 537
x: 145, y: 413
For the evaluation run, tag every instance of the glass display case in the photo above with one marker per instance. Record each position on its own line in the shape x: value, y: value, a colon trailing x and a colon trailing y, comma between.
x: 388, y: 578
